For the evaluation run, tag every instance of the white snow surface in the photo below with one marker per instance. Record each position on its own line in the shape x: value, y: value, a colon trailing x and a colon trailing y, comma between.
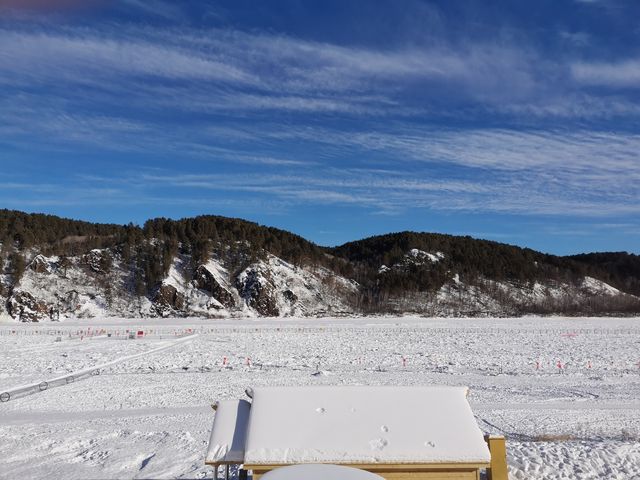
x: 228, y: 435
x: 363, y: 424
x: 150, y: 416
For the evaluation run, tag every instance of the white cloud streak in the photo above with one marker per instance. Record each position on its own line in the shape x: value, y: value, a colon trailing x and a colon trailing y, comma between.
x: 46, y: 55
x: 624, y: 73
x: 271, y: 63
x: 228, y: 70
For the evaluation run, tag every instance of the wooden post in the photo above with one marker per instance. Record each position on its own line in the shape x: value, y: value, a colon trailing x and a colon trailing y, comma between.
x: 498, y: 448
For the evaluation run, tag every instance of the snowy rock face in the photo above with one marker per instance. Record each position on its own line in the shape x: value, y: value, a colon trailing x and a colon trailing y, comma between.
x: 24, y: 307
x: 269, y: 287
x: 419, y: 257
x: 5, y: 290
x: 205, y: 280
x: 70, y: 301
x: 275, y: 285
x: 413, y: 257
x: 98, y: 261
x: 41, y: 265
x: 258, y: 291
x: 53, y: 288
x: 168, y: 299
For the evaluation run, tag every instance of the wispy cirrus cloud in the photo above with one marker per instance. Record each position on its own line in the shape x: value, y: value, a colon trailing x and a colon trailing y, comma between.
x: 44, y: 55
x: 543, y: 172
x: 533, y: 188
x: 492, y: 148
x: 282, y: 71
x: 624, y: 73
x: 217, y: 70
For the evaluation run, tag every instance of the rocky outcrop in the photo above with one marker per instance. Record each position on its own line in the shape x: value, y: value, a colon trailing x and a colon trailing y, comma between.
x: 414, y: 258
x: 168, y: 300
x: 69, y: 302
x: 25, y: 307
x: 205, y: 280
x: 98, y: 261
x: 5, y: 290
x: 40, y: 265
x: 290, y: 296
x: 258, y: 291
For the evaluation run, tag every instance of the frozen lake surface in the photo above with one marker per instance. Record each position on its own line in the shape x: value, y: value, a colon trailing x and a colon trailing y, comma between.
x: 565, y: 391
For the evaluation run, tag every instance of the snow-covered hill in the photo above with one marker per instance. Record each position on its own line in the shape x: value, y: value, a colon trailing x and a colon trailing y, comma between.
x: 217, y: 267
x: 87, y: 286
x: 269, y: 287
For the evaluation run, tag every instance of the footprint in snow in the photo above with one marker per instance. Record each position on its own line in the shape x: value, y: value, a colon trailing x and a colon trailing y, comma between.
x: 378, y: 444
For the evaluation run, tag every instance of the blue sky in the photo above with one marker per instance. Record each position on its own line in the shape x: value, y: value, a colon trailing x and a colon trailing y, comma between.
x: 515, y: 121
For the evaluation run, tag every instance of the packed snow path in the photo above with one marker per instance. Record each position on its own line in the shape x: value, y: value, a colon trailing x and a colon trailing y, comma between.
x: 565, y: 391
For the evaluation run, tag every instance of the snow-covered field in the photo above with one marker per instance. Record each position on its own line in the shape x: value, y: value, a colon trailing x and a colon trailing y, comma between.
x: 565, y: 392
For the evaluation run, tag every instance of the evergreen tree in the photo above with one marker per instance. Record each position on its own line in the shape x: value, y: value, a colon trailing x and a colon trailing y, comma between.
x: 63, y: 264
x: 18, y: 265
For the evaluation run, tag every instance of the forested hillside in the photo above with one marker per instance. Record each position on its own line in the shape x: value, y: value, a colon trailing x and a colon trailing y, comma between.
x: 212, y: 265
x: 620, y: 269
x: 150, y: 249
x: 468, y: 256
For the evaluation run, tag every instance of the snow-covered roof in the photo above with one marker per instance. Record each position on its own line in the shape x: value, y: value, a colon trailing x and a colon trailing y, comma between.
x: 344, y: 424
x: 228, y: 434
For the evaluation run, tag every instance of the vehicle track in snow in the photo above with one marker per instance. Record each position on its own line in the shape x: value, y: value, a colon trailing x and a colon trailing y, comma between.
x: 30, y: 389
